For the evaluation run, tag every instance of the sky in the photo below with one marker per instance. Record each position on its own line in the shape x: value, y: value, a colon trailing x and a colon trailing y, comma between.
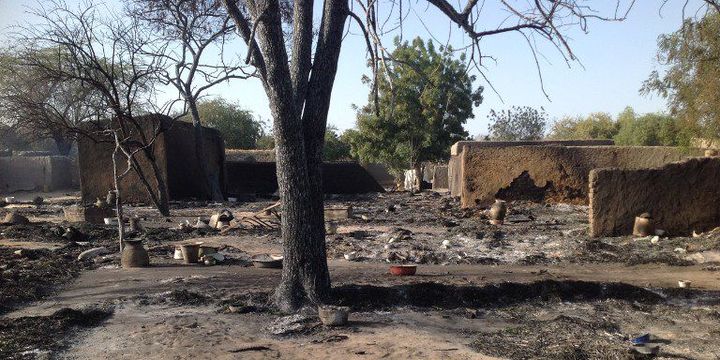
x: 613, y: 60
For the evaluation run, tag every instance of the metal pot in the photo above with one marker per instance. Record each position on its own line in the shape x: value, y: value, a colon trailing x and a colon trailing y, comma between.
x: 190, y: 253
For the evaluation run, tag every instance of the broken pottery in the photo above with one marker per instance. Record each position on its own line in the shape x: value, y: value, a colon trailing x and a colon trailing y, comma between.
x: 644, y: 225
x: 497, y: 212
x: 333, y: 315
x: 134, y: 254
x: 206, y: 250
x: 177, y: 255
x: 684, y: 284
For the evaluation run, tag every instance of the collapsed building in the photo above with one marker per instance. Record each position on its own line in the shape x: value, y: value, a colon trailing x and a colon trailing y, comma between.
x: 618, y: 182
x: 174, y: 152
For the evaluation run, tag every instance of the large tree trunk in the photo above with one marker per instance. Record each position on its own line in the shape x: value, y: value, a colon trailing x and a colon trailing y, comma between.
x: 210, y: 184
x: 299, y: 108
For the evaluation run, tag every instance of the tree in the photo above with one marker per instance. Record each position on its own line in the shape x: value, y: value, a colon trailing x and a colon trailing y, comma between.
x: 594, y: 126
x: 650, y: 129
x: 691, y: 81
x: 238, y: 127
x: 299, y: 84
x: 40, y: 107
x: 518, y: 123
x: 336, y: 146
x: 103, y: 55
x: 187, y: 34
x: 419, y: 110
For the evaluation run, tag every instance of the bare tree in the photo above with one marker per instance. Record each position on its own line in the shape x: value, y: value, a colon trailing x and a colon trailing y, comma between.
x: 39, y: 107
x: 191, y: 36
x: 298, y: 85
x: 105, y: 56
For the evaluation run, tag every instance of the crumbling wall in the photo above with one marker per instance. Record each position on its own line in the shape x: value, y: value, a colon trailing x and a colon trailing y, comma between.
x: 681, y: 196
x: 261, y: 178
x: 561, y: 171
x: 36, y: 173
x: 440, y: 177
x: 174, y: 151
x: 183, y: 171
x: 381, y: 174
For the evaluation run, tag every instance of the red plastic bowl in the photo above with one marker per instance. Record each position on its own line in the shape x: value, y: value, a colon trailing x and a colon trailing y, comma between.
x: 403, y: 270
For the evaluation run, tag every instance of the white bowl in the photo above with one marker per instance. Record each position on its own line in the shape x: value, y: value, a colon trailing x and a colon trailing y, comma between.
x: 110, y: 221
x: 10, y: 199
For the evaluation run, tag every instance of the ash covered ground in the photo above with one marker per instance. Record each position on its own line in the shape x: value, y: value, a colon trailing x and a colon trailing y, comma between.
x: 535, y: 287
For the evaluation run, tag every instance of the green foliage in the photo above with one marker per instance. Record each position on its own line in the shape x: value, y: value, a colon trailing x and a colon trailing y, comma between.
x: 424, y: 97
x: 336, y: 146
x: 518, y: 123
x: 691, y: 83
x: 594, y: 126
x: 650, y: 129
x: 238, y: 127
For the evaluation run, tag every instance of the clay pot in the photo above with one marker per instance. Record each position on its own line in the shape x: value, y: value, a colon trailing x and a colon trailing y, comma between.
x: 497, y: 212
x: 712, y: 153
x: 403, y: 270
x: 644, y: 225
x: 190, y: 253
x: 134, y: 254
x: 111, y: 198
x: 333, y: 315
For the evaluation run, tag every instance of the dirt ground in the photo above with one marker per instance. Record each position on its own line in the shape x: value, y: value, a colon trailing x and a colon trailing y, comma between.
x: 536, y: 287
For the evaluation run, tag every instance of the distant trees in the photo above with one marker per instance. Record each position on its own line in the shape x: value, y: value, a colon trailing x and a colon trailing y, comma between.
x: 337, y: 146
x: 238, y: 127
x: 39, y: 107
x: 419, y: 108
x: 691, y: 83
x: 630, y: 128
x: 594, y: 126
x: 517, y: 123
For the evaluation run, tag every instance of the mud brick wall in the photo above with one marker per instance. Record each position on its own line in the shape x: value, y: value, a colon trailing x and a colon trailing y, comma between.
x: 261, y: 178
x: 174, y: 151
x: 681, y: 196
x: 547, y: 173
x: 440, y: 177
x: 455, y: 165
x: 36, y: 173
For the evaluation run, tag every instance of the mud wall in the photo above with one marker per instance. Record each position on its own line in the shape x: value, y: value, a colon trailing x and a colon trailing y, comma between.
x: 183, y: 170
x: 547, y: 173
x: 681, y: 196
x: 455, y: 165
x: 36, y: 173
x: 440, y: 177
x: 261, y: 178
x: 381, y: 174
x: 174, y: 151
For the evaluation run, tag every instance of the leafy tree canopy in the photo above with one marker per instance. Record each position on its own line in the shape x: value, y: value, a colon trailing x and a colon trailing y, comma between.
x: 594, y: 126
x: 652, y: 129
x: 517, y: 123
x: 691, y: 83
x: 423, y: 100
x: 337, y: 146
x: 238, y: 127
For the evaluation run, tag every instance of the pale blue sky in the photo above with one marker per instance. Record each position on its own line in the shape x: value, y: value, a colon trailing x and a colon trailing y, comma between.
x: 615, y: 58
